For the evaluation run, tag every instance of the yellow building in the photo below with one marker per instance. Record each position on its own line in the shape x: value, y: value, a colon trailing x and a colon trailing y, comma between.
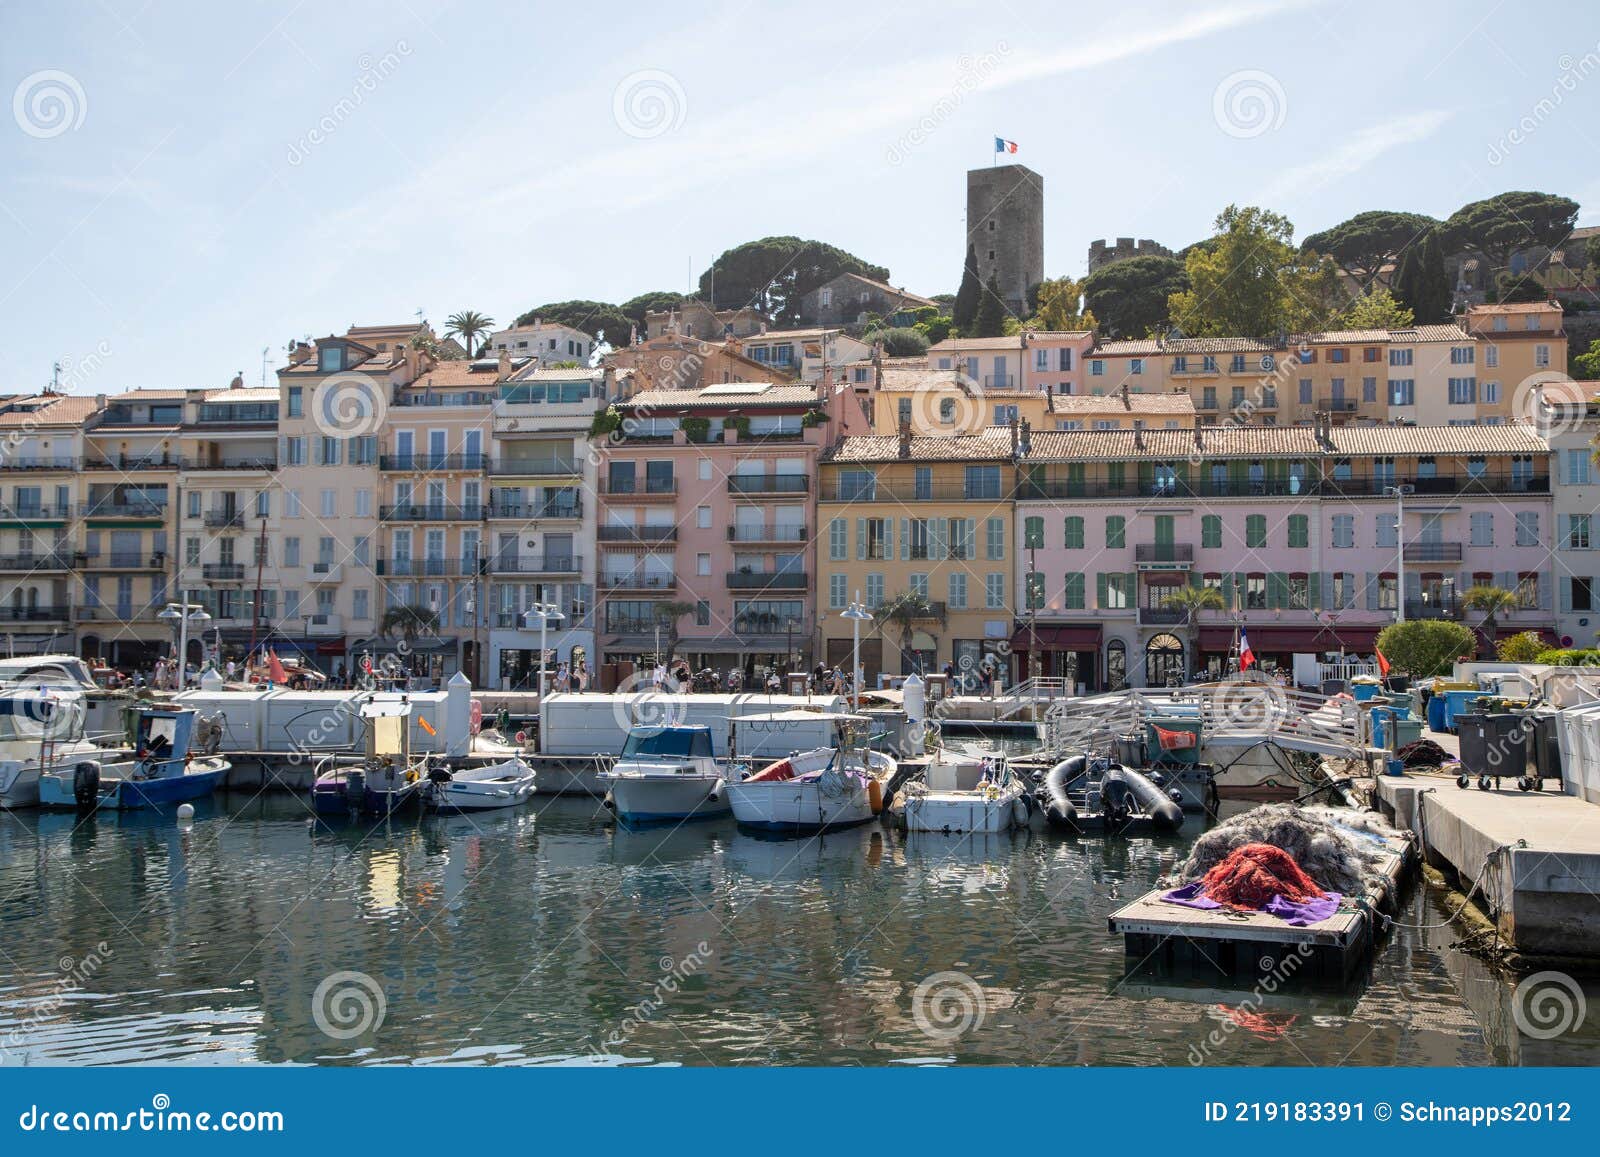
x: 929, y: 516
x: 946, y: 402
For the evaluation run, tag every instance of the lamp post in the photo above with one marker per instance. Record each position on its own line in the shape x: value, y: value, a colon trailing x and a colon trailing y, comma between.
x: 183, y: 614
x: 856, y: 613
x: 1399, y: 493
x: 546, y: 614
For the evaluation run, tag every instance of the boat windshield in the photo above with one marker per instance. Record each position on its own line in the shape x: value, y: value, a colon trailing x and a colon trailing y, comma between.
x: 668, y: 742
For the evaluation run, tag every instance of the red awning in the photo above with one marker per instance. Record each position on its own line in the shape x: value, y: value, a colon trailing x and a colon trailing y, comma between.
x: 1277, y: 639
x: 1058, y: 637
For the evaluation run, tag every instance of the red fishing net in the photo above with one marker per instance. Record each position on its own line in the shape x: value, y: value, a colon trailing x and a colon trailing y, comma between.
x: 1255, y: 873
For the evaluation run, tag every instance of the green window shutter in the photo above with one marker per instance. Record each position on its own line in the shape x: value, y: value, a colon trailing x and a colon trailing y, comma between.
x: 1075, y: 479
x: 861, y: 538
x: 1033, y: 533
x: 1227, y: 590
x: 1147, y: 477
x: 1196, y: 579
x: 1299, y: 530
x: 1100, y: 591
x: 1116, y: 532
x: 1074, y: 532
x: 1255, y: 530
x: 1166, y: 530
x: 1074, y: 591
x: 1116, y: 475
x: 1130, y: 587
x: 1316, y: 592
x: 1211, y: 532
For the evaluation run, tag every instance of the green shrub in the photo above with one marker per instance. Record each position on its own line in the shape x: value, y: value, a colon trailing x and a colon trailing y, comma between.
x: 1523, y: 647
x: 1426, y: 647
x: 1570, y: 657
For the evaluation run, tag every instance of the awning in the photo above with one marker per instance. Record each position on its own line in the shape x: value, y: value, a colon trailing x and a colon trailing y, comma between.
x: 1058, y: 637
x: 1276, y: 639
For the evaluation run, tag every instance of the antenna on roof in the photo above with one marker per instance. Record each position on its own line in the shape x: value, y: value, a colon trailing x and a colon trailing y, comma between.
x: 55, y: 377
x: 266, y: 352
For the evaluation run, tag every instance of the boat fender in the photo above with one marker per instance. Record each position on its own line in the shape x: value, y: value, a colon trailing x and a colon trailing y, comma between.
x: 716, y: 792
x: 1019, y: 812
x: 86, y: 783
x: 875, y: 796
x: 608, y: 803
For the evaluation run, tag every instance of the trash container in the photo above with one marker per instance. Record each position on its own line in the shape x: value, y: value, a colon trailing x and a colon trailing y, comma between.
x: 1436, y: 706
x: 1495, y: 745
x: 1331, y: 687
x: 1364, y: 691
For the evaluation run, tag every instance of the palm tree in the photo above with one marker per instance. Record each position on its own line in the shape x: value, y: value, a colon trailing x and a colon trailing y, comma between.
x: 1491, y: 602
x: 468, y: 325
x: 1192, y: 600
x: 904, y: 612
x: 669, y: 613
x: 408, y: 622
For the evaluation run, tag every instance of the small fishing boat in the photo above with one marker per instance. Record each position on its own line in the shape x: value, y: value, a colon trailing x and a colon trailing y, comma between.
x: 484, y: 788
x: 820, y: 790
x: 387, y: 781
x: 163, y: 771
x: 966, y: 791
x: 41, y: 727
x: 666, y: 773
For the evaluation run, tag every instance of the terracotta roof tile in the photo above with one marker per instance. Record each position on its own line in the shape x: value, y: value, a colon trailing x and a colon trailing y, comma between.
x: 48, y: 410
x: 993, y: 445
x: 1134, y: 403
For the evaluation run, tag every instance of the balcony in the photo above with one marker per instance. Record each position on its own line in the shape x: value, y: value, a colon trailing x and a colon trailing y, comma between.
x: 535, y: 468
x: 432, y: 512
x: 326, y: 573
x: 1433, y: 609
x: 424, y: 567
x: 650, y: 583
x: 768, y: 484
x: 32, y: 513
x: 1163, y: 555
x: 641, y: 490
x: 1162, y: 617
x: 132, y: 463
x: 832, y: 491
x: 324, y: 626
x: 1432, y: 552
x: 264, y: 462
x: 1439, y: 484
x: 224, y: 519
x: 55, y: 613
x: 781, y: 534
x: 782, y: 580
x: 121, y: 560
x: 631, y: 625
x: 419, y: 463
x: 1195, y: 370
x: 1000, y: 381
x: 36, y: 463
x: 114, y: 507
x: 636, y: 535
x: 528, y: 511
x: 34, y: 562
x: 562, y: 564
x: 1338, y: 405
x: 222, y: 572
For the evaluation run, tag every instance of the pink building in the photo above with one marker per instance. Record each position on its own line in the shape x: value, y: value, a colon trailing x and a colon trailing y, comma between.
x: 707, y: 501
x: 1048, y: 361
x: 1291, y: 525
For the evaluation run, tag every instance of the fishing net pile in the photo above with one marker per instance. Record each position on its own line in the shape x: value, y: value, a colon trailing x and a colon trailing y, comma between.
x: 1255, y: 874
x: 1336, y: 851
x: 1423, y: 753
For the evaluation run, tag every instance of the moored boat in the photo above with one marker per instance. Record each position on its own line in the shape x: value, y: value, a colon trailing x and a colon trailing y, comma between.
x: 821, y: 790
x: 966, y: 792
x: 386, y: 781
x: 163, y: 771
x: 666, y: 773
x: 485, y: 788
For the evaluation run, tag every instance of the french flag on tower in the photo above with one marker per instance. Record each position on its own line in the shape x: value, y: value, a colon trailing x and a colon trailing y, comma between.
x: 1001, y: 145
x: 1247, y: 657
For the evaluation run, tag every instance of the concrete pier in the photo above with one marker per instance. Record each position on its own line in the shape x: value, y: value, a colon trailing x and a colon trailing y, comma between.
x: 1538, y: 854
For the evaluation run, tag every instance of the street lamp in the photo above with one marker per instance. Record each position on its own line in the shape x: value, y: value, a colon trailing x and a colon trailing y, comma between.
x: 857, y: 614
x: 183, y: 614
x: 546, y: 613
x: 1399, y: 493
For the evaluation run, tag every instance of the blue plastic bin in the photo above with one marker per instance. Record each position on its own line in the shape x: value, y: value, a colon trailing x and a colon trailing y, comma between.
x: 1436, y: 706
x: 1363, y: 691
x: 1458, y: 703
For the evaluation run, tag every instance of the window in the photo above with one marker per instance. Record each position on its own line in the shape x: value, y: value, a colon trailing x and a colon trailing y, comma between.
x: 1580, y: 594
x: 191, y: 551
x: 1399, y: 357
x: 1369, y: 389
x: 1097, y: 368
x: 1034, y: 583
x: 1541, y: 356
x: 328, y: 503
x: 294, y: 451
x: 1033, y: 533
x: 291, y: 504
x: 1462, y: 355
x: 1491, y: 393
x: 994, y: 591
x: 1463, y: 391
x: 1491, y: 356
x: 1387, y: 535
x: 1577, y: 467
x: 995, y: 539
x: 919, y: 585
x: 1402, y: 392
x: 1255, y: 531
x: 702, y: 564
x: 1298, y: 592
x: 958, y: 590
x: 1114, y: 592
x: 1527, y: 528
x: 1074, y: 527
x: 838, y: 539
x: 363, y: 504
x: 702, y: 517
x: 874, y: 590
x: 1528, y: 591
x: 1344, y: 531
x: 1255, y: 592
x: 296, y: 402
x: 1482, y: 528
x: 1136, y: 365
x: 1305, y: 391
x: 1342, y: 592
x: 838, y: 591
x: 291, y: 552
x: 873, y: 538
x: 1577, y: 536
x: 1211, y: 531
x: 1065, y: 362
x: 328, y: 451
x: 1388, y: 592
x: 1299, y: 530
x: 1116, y: 532
x: 1073, y: 592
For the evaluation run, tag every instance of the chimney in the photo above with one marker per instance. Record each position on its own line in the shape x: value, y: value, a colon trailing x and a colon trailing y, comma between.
x: 827, y: 381
x: 1198, y: 444
x: 633, y: 335
x: 1027, y: 437
x: 99, y: 401
x: 1126, y: 404
x: 1138, y: 435
x: 905, y: 437
x: 238, y: 381
x: 1015, y: 438
x: 502, y: 369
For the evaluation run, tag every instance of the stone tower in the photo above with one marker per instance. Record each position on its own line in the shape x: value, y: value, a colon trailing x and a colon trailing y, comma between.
x: 1005, y: 226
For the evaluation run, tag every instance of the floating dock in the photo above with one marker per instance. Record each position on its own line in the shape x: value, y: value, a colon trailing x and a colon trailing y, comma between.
x: 1537, y: 853
x: 1171, y: 940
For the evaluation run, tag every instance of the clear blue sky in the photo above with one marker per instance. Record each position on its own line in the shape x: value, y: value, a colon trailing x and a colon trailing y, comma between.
x: 189, y: 211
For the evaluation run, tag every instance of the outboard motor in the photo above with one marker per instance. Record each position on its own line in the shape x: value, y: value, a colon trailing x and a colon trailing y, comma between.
x: 86, y: 785
x: 439, y: 774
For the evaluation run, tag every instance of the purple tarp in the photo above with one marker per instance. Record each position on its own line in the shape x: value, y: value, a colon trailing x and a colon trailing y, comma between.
x: 1299, y: 915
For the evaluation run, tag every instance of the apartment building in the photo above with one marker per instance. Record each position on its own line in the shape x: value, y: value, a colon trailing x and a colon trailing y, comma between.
x: 1033, y: 360
x: 707, y: 507
x: 549, y: 342
x: 1293, y: 526
x: 800, y: 353
x: 929, y: 516
x: 1572, y: 424
x: 944, y: 402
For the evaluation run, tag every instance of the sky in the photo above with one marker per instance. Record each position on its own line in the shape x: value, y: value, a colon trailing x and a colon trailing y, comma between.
x: 186, y: 188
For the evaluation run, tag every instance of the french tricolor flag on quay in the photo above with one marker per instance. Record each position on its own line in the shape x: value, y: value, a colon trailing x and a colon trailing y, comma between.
x: 1001, y: 145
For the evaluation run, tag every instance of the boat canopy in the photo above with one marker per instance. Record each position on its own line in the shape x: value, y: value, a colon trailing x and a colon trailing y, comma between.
x: 683, y: 742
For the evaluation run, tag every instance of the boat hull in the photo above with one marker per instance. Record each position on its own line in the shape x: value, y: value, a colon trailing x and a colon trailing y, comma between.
x: 797, y: 808
x: 19, y: 788
x: 469, y: 795
x: 335, y: 796
x: 962, y: 811
x: 662, y: 798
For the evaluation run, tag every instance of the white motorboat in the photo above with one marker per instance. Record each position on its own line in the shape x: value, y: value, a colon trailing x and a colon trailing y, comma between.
x: 966, y: 791
x: 39, y: 727
x: 820, y: 790
x: 666, y: 773
x: 484, y: 788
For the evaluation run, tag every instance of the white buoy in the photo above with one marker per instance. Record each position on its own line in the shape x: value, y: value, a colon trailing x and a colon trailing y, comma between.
x: 186, y: 811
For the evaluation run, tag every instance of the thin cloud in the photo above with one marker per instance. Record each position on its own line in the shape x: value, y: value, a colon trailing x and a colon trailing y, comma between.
x: 1357, y: 153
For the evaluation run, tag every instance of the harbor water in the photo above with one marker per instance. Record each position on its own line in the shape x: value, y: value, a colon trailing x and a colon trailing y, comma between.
x: 549, y: 935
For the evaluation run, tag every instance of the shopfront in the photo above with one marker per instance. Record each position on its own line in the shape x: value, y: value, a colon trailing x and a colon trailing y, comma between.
x: 1068, y: 651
